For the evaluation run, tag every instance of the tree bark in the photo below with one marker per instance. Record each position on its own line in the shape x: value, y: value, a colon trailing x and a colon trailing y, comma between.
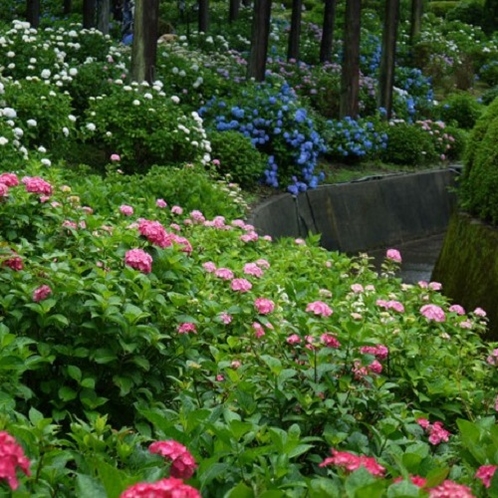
x: 350, y: 76
x: 144, y: 49
x: 416, y: 19
x: 33, y: 12
x: 246, y: 3
x: 203, y: 15
x: 259, y: 39
x: 234, y: 10
x: 295, y: 30
x: 88, y: 14
x: 388, y: 57
x: 67, y: 7
x: 327, y: 31
x: 103, y: 16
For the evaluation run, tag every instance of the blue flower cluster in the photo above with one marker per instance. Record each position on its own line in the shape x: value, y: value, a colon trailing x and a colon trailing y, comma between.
x: 416, y: 96
x: 371, y: 52
x: 271, y: 117
x: 354, y: 139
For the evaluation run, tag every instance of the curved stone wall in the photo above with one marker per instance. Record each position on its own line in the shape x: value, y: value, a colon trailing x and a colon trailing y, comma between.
x: 365, y: 214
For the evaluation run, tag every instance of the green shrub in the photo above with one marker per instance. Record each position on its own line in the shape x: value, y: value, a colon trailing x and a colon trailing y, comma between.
x: 471, y: 12
x: 441, y: 8
x: 489, y: 95
x: 461, y: 109
x: 237, y: 157
x: 408, y: 145
x: 458, y: 144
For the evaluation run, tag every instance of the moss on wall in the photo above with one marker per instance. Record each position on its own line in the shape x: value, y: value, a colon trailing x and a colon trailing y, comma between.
x: 468, y: 267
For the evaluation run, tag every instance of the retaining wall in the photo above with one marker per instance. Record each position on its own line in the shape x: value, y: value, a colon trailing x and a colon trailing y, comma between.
x: 364, y: 214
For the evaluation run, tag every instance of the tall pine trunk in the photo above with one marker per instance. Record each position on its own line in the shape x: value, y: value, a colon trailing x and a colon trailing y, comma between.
x: 327, y: 31
x: 233, y: 13
x: 33, y: 12
x: 144, y: 49
x: 295, y: 30
x: 256, y: 66
x: 88, y: 14
x: 203, y: 15
x: 388, y: 57
x: 103, y: 16
x: 350, y: 76
x: 416, y: 19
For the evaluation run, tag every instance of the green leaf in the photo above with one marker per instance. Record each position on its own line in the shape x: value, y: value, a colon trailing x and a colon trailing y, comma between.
x: 88, y: 487
x: 35, y: 417
x: 436, y: 476
x: 111, y: 478
x: 124, y: 383
x: 67, y: 394
x: 104, y: 355
x: 240, y: 491
x: 88, y: 382
x: 299, y: 450
x: 177, y: 299
x: 74, y: 372
x: 213, y: 471
x: 403, y: 489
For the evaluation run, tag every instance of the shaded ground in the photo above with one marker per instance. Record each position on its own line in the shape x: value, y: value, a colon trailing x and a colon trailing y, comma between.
x: 419, y: 257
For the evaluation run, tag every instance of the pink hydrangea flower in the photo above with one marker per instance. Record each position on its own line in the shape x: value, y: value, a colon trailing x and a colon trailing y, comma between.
x: 485, y: 473
x: 115, y: 157
x: 433, y: 312
x: 37, y: 185
x: 187, y: 328
x: 375, y: 367
x: 492, y: 359
x: 253, y: 269
x: 9, y: 179
x: 161, y: 203
x: 319, y: 308
x: 126, y: 210
x: 435, y: 286
x: 380, y: 352
x: 249, y: 237
x: 300, y: 242
x: 480, y: 312
x: 352, y: 462
x: 11, y: 458
x: 264, y: 306
x: 4, y: 190
x: 330, y: 340
x: 197, y: 217
x: 263, y: 263
x: 223, y: 273
x: 177, y: 210
x: 183, y: 464
x: 456, y: 308
x: 225, y: 317
x: 293, y: 339
x: 450, y: 489
x: 139, y: 260
x: 185, y: 244
x: 258, y: 330
x: 235, y: 364
x: 394, y: 255
x: 155, y: 233
x: 209, y: 266
x: 417, y: 480
x: 357, y: 288
x: 437, y: 433
x: 466, y: 324
x: 41, y: 293
x: 241, y: 285
x: 164, y: 488
x: 14, y: 263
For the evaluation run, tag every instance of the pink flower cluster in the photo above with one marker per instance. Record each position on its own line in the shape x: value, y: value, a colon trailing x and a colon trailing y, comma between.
x: 390, y: 305
x: 417, y: 480
x: 14, y: 262
x: 126, y: 210
x: 437, y: 433
x: 165, y: 488
x: 485, y: 473
x: 492, y: 359
x: 183, y: 463
x: 264, y: 306
x: 240, y: 285
x: 319, y: 308
x: 9, y: 179
x: 456, y: 308
x: 223, y: 273
x: 352, y: 462
x: 41, y: 293
x: 380, y: 352
x: 186, y: 328
x: 139, y: 260
x: 394, y: 255
x: 433, y: 313
x: 37, y: 185
x: 253, y: 269
x: 11, y: 457
x: 154, y: 232
x: 360, y: 371
x: 450, y: 489
x: 330, y: 340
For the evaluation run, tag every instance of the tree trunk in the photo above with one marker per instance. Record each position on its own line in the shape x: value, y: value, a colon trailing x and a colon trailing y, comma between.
x: 259, y: 39
x: 144, y: 49
x: 103, y: 16
x: 67, y: 7
x: 234, y: 10
x: 295, y: 30
x: 88, y: 14
x: 350, y: 76
x: 416, y: 19
x: 33, y: 12
x: 327, y: 31
x: 203, y: 15
x: 246, y: 3
x: 388, y: 57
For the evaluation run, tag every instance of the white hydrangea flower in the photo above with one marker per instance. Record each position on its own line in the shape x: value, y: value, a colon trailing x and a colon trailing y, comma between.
x: 71, y: 118
x: 45, y: 74
x: 11, y: 54
x: 18, y: 132
x: 91, y: 127
x: 148, y: 96
x: 175, y: 99
x: 136, y: 102
x: 8, y: 112
x: 73, y: 71
x: 46, y: 162
x: 42, y: 149
x: 3, y: 141
x: 65, y: 130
